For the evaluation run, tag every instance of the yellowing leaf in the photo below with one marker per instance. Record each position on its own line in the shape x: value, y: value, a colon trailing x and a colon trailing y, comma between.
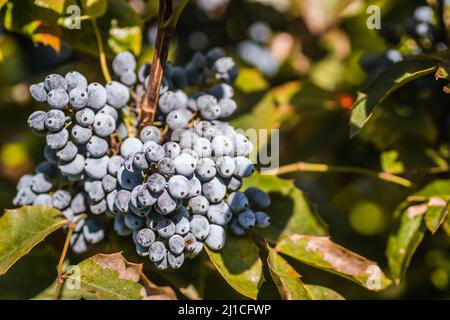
x: 48, y: 40
x: 55, y: 5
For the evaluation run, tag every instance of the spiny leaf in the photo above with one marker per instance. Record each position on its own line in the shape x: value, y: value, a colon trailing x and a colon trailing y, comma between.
x: 322, y: 253
x: 110, y: 276
x: 385, y: 84
x: 404, y: 241
x: 287, y: 280
x: 293, y: 210
x: 21, y: 229
x: 239, y: 264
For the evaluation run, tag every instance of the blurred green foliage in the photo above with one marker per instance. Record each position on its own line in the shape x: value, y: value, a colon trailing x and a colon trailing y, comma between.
x: 309, y: 100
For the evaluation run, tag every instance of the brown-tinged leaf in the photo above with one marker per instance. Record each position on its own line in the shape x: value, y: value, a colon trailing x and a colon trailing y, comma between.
x: 286, y: 278
x: 110, y: 276
x: 322, y: 253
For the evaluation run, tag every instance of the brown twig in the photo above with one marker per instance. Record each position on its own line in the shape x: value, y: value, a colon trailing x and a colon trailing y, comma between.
x: 60, y: 278
x: 320, y: 167
x: 150, y: 101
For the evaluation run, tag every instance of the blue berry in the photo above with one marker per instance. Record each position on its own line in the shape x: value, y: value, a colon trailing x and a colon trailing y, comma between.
x: 257, y: 197
x: 96, y: 168
x: 74, y: 80
x: 80, y: 135
x: 157, y: 251
x: 78, y: 98
x: 97, y: 96
x: 156, y: 183
x: 247, y: 219
x: 68, y: 153
x: 145, y: 237
x: 55, y: 81
x: 97, y: 147
x: 214, y: 190
x: 130, y: 146
x: 199, y: 226
x: 38, y: 92
x: 85, y: 117
x: 185, y: 164
x: 57, y: 140
x: 36, y: 121
x: 216, y: 237
x: 104, y: 125
x: 57, y: 98
x: 219, y: 214
x: 117, y: 94
x: 150, y: 133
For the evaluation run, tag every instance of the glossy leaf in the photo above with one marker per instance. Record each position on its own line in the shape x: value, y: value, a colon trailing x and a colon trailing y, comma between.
x: 404, y: 241
x: 94, y: 8
x: 22, y: 229
x: 323, y: 293
x: 385, y: 84
x: 55, y: 5
x: 287, y: 280
x: 273, y: 109
x: 120, y: 26
x: 292, y: 208
x: 110, y: 276
x: 436, y: 213
x: 322, y: 253
x: 239, y: 264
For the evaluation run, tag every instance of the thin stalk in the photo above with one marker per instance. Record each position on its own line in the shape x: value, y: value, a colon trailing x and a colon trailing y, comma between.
x: 163, y: 36
x: 101, y: 52
x: 60, y: 278
x: 319, y: 167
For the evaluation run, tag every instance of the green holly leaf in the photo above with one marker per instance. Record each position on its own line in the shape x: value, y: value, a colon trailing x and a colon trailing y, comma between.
x: 55, y: 5
x: 385, y: 84
x: 294, y: 212
x: 109, y: 277
x: 94, y: 8
x: 239, y: 264
x: 22, y: 229
x: 404, y: 241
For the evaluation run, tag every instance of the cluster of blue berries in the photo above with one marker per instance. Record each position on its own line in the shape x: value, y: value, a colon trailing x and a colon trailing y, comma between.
x: 174, y: 186
x: 254, y: 51
x: 424, y: 35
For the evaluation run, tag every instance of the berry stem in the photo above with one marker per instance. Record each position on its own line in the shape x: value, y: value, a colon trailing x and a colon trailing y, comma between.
x: 101, y: 52
x: 60, y: 278
x: 319, y: 167
x: 166, y: 26
x: 150, y: 101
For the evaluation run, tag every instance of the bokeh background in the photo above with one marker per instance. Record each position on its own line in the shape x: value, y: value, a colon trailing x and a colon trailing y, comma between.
x: 301, y: 65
